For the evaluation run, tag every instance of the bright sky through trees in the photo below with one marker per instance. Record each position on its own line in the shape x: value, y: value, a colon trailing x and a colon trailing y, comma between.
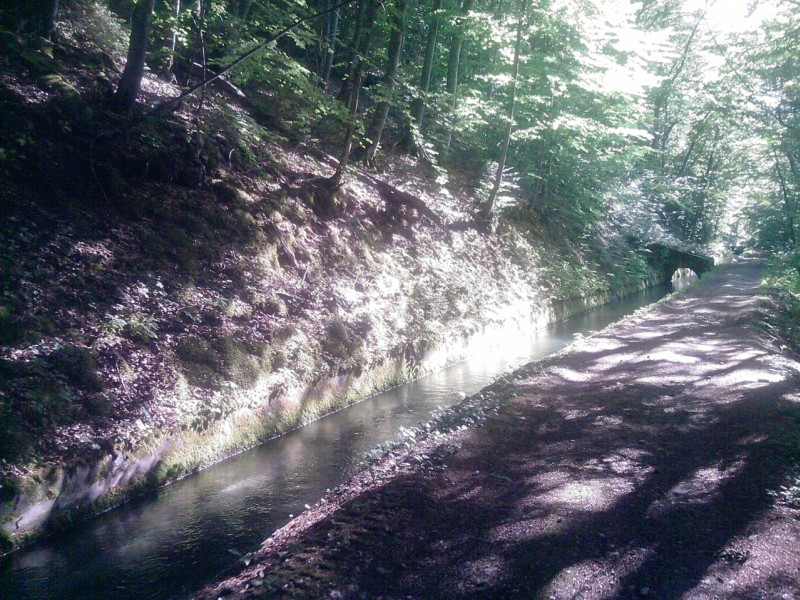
x: 733, y: 16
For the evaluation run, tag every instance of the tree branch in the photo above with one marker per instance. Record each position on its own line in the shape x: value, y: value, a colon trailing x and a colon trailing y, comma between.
x: 173, y: 103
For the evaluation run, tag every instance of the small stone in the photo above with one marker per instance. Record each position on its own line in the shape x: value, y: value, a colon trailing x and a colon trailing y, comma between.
x: 644, y: 591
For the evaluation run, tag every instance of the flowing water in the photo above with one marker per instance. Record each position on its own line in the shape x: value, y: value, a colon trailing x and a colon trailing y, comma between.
x: 171, y: 546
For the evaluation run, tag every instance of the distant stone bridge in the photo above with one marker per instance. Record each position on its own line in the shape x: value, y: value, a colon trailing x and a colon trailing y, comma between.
x: 671, y: 259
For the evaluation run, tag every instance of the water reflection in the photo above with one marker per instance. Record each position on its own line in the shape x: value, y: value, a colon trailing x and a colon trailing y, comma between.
x: 170, y: 547
x: 682, y: 279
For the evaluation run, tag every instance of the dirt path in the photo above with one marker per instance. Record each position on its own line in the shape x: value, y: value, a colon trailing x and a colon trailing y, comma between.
x: 637, y: 464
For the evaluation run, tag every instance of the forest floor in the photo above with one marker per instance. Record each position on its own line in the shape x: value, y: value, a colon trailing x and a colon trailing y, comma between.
x: 654, y: 459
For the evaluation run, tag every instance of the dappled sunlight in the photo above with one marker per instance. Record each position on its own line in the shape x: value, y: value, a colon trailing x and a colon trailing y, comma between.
x: 588, y: 495
x: 761, y: 560
x: 668, y: 379
x: 650, y: 335
x: 600, y: 344
x: 571, y: 375
x: 674, y: 356
x: 528, y: 529
x: 612, y: 360
x: 701, y: 487
x: 745, y: 379
x: 597, y: 578
x: 633, y: 466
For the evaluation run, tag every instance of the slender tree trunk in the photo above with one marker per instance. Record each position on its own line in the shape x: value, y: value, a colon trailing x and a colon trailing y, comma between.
x: 330, y: 50
x: 453, y: 61
x: 49, y: 13
x: 544, y: 164
x: 488, y: 207
x: 796, y: 175
x: 418, y: 106
x: 358, y: 75
x: 788, y: 205
x: 131, y: 80
x: 695, y: 137
x: 36, y: 17
x: 199, y: 24
x: 243, y: 9
x: 661, y: 130
x: 793, y: 165
x: 173, y: 45
x: 324, y: 38
x: 352, y: 59
x: 378, y: 123
x: 173, y: 103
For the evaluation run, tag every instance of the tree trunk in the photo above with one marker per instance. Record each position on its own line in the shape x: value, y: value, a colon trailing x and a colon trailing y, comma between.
x: 661, y: 129
x: 131, y: 80
x: 352, y: 59
x: 324, y: 37
x: 330, y: 50
x: 358, y: 75
x: 173, y: 45
x: 788, y: 204
x: 453, y: 61
x: 37, y: 17
x: 488, y: 207
x: 243, y: 9
x: 418, y: 106
x: 378, y: 123
x: 49, y: 13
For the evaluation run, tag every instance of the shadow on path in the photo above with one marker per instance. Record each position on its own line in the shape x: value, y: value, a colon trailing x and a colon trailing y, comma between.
x: 637, y: 465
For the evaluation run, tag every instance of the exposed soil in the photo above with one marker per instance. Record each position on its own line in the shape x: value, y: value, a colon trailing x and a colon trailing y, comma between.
x: 645, y: 461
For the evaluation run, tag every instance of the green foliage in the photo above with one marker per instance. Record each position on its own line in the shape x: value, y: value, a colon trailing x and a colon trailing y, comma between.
x: 142, y: 329
x: 95, y: 21
x: 340, y: 344
x: 6, y: 542
x: 208, y: 363
x: 783, y: 273
x: 8, y: 329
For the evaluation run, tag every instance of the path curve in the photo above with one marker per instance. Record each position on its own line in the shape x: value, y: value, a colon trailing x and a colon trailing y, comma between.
x: 636, y: 464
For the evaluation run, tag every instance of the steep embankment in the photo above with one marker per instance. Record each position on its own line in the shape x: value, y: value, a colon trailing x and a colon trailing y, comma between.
x: 651, y: 460
x: 172, y: 294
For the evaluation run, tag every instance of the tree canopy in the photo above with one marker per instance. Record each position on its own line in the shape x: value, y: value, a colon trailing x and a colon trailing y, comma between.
x: 675, y: 118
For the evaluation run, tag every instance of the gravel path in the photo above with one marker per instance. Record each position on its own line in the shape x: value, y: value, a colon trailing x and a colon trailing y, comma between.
x: 638, y: 464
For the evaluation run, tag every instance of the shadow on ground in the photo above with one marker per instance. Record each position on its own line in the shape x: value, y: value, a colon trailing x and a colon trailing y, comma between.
x: 638, y: 465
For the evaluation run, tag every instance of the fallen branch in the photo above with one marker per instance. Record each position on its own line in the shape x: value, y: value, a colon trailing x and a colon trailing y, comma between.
x: 173, y: 103
x: 225, y: 84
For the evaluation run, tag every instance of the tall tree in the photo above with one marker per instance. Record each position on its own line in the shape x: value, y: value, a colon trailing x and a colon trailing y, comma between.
x: 454, y: 61
x: 243, y: 9
x: 352, y: 57
x: 418, y: 106
x: 131, y: 80
x: 355, y: 90
x: 381, y: 112
x: 330, y: 48
x: 488, y: 206
x: 36, y: 17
